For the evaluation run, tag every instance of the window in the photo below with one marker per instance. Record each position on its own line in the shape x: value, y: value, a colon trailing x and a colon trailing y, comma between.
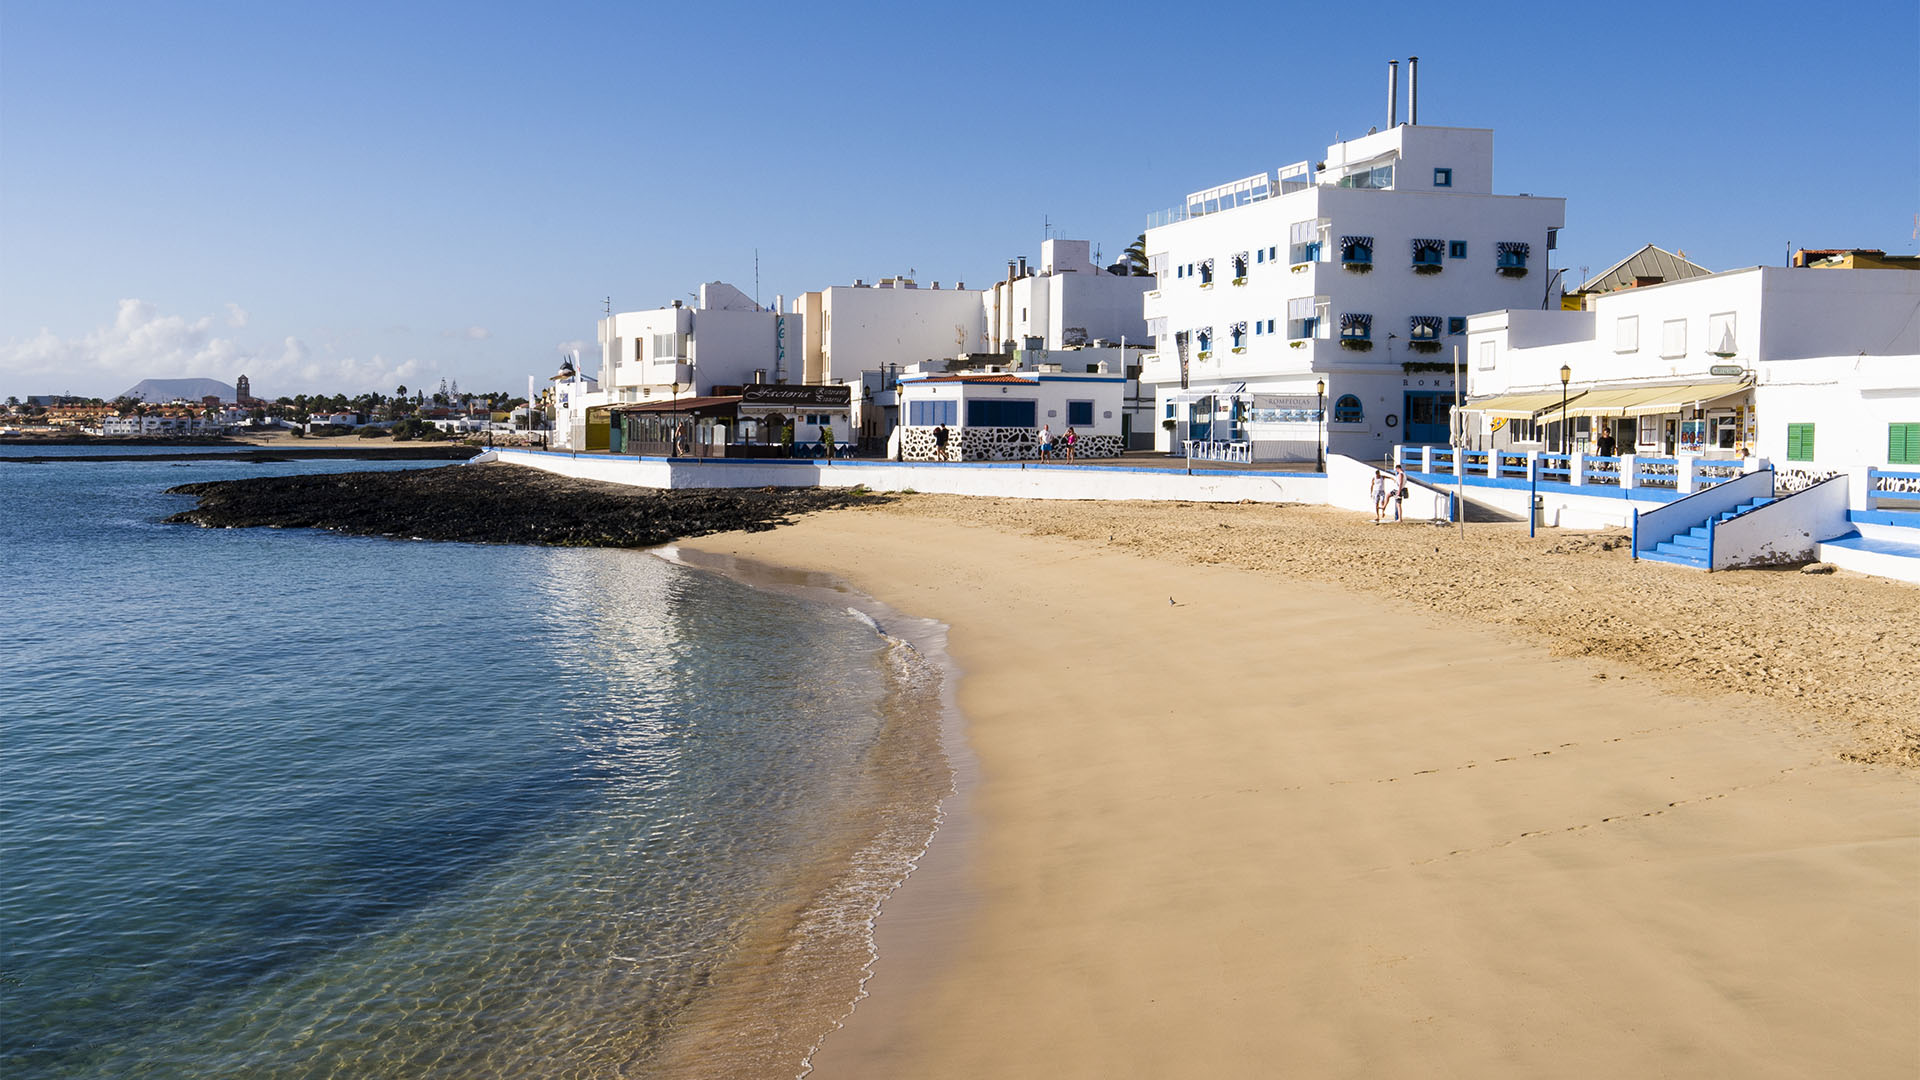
x: 1179, y: 272
x: 1456, y: 324
x: 1486, y: 356
x: 1306, y: 240
x: 670, y: 347
x: 1423, y: 327
x: 1269, y: 326
x: 1356, y: 326
x: 1456, y: 249
x: 1626, y: 333
x: 1673, y: 338
x: 1259, y: 327
x: 1519, y: 431
x: 995, y: 412
x: 1346, y: 410
x: 1356, y: 250
x: 1206, y: 272
x: 1512, y: 254
x: 931, y: 413
x: 1307, y: 317
x: 1240, y: 266
x: 1260, y: 256
x: 1799, y: 442
x: 1427, y: 252
x: 1203, y: 340
x: 1378, y: 179
x: 1721, y: 340
x: 636, y: 349
x: 1157, y: 265
x: 1239, y: 332
x: 1080, y: 413
x: 1903, y: 444
x: 1443, y: 178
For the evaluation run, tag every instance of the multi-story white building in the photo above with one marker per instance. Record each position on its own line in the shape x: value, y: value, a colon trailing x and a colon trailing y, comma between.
x: 1355, y: 275
x: 1814, y: 370
x: 727, y: 340
x: 1068, y: 303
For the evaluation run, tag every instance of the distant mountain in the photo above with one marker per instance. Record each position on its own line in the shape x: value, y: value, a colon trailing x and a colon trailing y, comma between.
x: 160, y: 391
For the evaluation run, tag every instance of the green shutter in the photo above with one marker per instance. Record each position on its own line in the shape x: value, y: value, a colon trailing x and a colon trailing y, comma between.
x: 1903, y: 444
x: 1799, y: 442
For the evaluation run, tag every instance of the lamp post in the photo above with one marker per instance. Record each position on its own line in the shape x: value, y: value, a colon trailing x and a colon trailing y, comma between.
x: 1320, y: 437
x: 673, y: 433
x: 1566, y: 373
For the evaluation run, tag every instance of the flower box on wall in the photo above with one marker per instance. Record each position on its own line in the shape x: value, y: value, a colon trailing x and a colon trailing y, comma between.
x: 1237, y: 349
x: 1427, y: 268
x: 1512, y: 271
x: 1203, y: 354
x: 1356, y: 344
x: 1424, y: 346
x: 1358, y: 267
x: 1296, y: 344
x: 1239, y: 281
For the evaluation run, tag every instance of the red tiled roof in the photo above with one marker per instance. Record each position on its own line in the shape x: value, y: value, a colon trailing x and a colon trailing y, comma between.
x: 980, y: 379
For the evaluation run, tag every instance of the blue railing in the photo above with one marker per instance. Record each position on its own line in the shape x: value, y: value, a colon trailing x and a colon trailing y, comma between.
x: 1601, y: 470
x: 1653, y: 472
x: 1898, y: 488
x: 1556, y: 467
x: 1512, y: 466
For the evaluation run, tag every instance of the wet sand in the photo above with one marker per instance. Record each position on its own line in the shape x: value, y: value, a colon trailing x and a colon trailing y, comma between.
x: 1270, y: 790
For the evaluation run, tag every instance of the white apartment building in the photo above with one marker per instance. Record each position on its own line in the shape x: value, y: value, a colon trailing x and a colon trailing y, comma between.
x: 1354, y: 274
x: 1068, y: 303
x: 1815, y: 370
x: 727, y: 340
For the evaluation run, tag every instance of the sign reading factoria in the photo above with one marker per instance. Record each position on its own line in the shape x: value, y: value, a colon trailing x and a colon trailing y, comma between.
x: 781, y: 394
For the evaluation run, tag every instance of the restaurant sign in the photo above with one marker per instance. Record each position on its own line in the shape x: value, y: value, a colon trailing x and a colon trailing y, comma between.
x: 787, y: 395
x: 1726, y: 369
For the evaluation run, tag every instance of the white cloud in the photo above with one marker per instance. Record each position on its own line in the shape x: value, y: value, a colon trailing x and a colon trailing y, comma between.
x: 141, y: 343
x: 471, y: 333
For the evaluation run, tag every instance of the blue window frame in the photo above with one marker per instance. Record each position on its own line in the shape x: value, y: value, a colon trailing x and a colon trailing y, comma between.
x: 1443, y: 178
x: 1259, y: 327
x: 1346, y: 410
x: 1260, y: 255
x: 1080, y: 413
x: 1456, y: 249
x: 995, y: 412
x: 932, y: 413
x: 1456, y: 324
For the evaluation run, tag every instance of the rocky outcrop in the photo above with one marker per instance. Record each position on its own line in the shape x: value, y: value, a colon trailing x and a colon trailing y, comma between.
x: 503, y: 504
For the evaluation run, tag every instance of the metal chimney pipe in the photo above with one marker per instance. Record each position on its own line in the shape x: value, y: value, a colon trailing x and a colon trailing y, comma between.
x: 1393, y: 94
x: 1413, y: 90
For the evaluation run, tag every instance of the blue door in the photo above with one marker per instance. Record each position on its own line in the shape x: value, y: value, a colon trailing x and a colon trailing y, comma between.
x: 1427, y: 416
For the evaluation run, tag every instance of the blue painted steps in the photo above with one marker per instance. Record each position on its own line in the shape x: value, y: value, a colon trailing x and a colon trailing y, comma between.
x: 1690, y: 548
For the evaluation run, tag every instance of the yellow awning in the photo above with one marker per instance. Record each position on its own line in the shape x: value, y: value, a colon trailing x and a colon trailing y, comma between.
x: 1610, y: 402
x: 1672, y: 399
x: 1519, y: 406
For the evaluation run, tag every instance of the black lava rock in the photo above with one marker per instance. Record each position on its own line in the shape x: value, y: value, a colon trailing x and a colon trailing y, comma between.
x: 498, y: 504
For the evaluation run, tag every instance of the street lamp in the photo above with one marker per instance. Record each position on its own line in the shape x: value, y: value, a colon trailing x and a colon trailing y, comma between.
x: 1566, y: 373
x: 1320, y: 438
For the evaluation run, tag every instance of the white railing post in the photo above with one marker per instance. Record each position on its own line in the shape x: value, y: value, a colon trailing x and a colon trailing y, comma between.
x: 1459, y: 463
x: 1627, y: 465
x: 1755, y: 464
x: 1683, y: 476
x: 1860, y: 484
x: 1533, y: 466
x: 1576, y: 468
x: 1426, y: 459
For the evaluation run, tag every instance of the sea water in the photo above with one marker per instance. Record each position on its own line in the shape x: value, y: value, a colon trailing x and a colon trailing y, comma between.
x: 293, y: 804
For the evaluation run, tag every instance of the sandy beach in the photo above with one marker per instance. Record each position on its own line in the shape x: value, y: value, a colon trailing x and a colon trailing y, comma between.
x: 1269, y: 790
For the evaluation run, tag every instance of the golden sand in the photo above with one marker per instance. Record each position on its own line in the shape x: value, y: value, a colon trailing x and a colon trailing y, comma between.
x: 1271, y: 791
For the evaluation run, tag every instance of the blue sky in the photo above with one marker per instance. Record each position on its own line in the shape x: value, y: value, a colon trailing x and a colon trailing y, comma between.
x: 345, y: 197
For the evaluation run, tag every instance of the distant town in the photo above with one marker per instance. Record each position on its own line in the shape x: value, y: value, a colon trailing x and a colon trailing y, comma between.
x: 207, y: 407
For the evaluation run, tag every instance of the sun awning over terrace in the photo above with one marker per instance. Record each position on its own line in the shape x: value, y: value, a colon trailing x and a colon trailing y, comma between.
x: 1671, y: 399
x: 1519, y: 406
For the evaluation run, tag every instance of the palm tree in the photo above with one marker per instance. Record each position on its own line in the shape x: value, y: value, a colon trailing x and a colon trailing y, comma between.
x: 1135, y: 257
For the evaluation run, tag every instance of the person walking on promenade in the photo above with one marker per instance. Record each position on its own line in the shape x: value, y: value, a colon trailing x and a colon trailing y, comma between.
x: 1069, y: 439
x: 1399, y: 490
x: 1607, y: 444
x: 1046, y: 440
x: 940, y: 442
x: 1379, y: 493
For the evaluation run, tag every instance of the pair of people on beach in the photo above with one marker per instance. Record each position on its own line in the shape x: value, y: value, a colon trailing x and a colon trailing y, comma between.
x: 1387, y: 491
x: 1046, y: 441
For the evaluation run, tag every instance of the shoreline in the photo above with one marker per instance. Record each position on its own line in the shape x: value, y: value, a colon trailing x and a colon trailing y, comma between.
x: 1193, y: 940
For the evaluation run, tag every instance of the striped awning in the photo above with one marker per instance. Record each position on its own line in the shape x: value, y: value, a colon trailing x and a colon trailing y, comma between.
x: 1520, y: 406
x: 1670, y: 399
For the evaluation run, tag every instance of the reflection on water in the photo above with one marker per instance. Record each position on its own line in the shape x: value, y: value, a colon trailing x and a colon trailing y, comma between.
x: 313, y: 806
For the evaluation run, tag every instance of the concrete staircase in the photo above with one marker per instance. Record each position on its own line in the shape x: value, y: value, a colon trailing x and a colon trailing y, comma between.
x: 1693, y: 547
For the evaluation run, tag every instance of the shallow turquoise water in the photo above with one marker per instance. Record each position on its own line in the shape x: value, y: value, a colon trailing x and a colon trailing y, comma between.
x: 292, y: 804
